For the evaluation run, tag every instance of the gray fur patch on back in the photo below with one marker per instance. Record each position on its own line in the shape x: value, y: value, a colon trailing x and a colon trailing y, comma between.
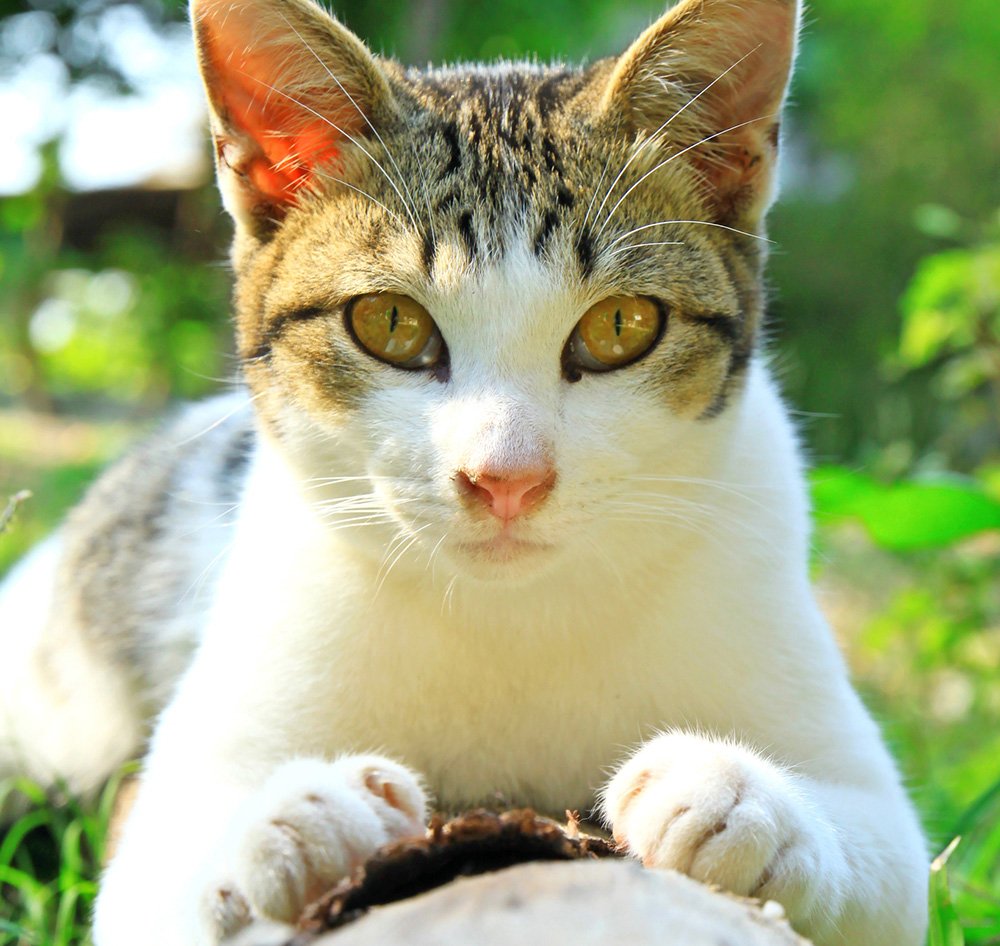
x: 143, y: 548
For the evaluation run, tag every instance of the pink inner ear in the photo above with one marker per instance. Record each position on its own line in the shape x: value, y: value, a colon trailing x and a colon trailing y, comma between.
x: 291, y: 133
x: 747, y: 99
x: 734, y: 159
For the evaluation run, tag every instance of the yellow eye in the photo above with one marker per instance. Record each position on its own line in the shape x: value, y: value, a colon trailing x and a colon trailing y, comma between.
x: 396, y: 329
x: 614, y: 332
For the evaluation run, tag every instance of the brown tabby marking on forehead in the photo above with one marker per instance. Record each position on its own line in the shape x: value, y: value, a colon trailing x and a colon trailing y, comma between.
x: 494, y: 139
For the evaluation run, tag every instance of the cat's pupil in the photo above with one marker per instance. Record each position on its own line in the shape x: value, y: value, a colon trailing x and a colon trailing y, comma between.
x: 393, y: 319
x: 618, y: 322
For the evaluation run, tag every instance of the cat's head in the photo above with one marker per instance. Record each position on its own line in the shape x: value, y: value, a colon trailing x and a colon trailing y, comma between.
x: 500, y: 299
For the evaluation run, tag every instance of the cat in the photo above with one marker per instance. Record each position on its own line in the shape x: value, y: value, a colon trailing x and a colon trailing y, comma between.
x: 510, y: 500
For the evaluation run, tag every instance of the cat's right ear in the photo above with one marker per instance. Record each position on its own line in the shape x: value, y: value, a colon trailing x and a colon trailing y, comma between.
x: 289, y: 89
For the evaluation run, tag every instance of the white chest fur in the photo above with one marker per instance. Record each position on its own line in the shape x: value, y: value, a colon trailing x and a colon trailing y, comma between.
x: 530, y: 691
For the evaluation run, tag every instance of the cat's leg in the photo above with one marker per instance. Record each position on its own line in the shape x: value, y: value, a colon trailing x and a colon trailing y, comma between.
x: 844, y: 856
x: 198, y: 863
x: 311, y: 824
x: 244, y: 809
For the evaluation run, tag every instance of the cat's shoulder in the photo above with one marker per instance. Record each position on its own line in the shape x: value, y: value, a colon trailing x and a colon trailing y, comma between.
x: 199, y: 452
x: 174, y: 491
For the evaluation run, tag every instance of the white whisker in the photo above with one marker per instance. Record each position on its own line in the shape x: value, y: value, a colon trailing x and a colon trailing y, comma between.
x: 656, y: 134
x: 734, y: 489
x: 215, y: 520
x: 360, y: 522
x: 448, y: 599
x: 201, y: 433
x: 699, y: 223
x: 593, y: 196
x: 677, y: 509
x: 374, y: 200
x: 332, y: 480
x: 674, y: 157
x: 202, y: 577
x: 410, y: 542
x: 603, y: 555
x: 635, y: 246
x: 434, y: 551
x: 357, y: 108
x: 350, y: 137
x: 354, y: 513
x: 423, y: 185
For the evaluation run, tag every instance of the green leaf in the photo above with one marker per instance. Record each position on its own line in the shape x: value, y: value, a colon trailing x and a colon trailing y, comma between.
x: 908, y: 515
x: 915, y: 515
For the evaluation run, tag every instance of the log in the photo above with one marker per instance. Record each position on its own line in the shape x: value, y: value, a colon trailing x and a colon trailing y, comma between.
x: 583, y: 903
x: 467, y: 884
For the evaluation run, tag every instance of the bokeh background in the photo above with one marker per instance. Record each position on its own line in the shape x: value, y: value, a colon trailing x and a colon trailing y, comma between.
x: 885, y: 332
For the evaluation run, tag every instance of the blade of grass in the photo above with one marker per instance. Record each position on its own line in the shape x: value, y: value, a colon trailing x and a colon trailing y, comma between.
x: 34, y: 896
x: 7, y: 515
x: 945, y: 928
x: 70, y: 915
x: 16, y: 833
x: 34, y: 794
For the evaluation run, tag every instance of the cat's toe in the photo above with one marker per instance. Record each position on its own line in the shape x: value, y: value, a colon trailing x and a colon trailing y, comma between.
x: 225, y: 911
x: 720, y: 814
x: 314, y: 822
x: 394, y: 793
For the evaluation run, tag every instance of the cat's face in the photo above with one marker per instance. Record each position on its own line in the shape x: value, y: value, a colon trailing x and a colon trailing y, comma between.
x: 489, y: 312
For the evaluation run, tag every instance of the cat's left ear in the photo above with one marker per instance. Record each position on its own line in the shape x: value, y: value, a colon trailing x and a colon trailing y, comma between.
x: 290, y: 90
x: 709, y: 79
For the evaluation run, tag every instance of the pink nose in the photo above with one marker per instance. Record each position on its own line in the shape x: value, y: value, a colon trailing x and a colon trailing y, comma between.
x: 508, y: 496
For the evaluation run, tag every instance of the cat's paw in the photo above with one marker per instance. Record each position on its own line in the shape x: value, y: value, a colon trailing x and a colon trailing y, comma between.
x: 723, y: 815
x: 309, y: 826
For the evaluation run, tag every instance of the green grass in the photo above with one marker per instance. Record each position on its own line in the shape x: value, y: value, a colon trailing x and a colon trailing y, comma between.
x: 965, y: 878
x: 50, y: 860
x: 945, y: 927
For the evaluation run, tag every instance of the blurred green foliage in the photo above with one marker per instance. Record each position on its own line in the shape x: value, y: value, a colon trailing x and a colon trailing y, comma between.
x: 894, y: 109
x: 945, y: 926
x: 927, y: 652
x: 951, y: 334
x: 131, y: 319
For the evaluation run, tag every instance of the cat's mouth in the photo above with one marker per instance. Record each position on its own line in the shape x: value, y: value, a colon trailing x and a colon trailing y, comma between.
x: 503, y: 547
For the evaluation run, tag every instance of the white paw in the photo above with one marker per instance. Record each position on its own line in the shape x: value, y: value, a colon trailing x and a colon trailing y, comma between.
x: 310, y: 825
x: 721, y: 814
